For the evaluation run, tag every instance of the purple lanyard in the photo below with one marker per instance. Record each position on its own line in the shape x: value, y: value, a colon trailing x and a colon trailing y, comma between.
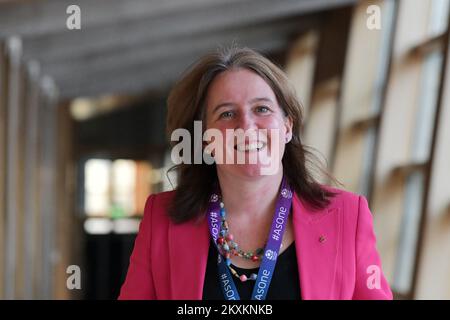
x: 267, y: 267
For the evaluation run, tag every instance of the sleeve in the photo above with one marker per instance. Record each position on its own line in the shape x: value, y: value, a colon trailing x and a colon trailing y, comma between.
x: 138, y: 283
x: 370, y: 281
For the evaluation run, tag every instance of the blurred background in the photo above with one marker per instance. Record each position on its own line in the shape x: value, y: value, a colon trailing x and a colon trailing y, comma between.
x: 82, y: 116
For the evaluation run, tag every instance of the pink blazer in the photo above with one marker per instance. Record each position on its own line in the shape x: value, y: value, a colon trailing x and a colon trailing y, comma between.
x: 344, y: 264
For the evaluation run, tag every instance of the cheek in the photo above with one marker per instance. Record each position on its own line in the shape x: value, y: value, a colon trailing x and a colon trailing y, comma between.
x: 275, y: 124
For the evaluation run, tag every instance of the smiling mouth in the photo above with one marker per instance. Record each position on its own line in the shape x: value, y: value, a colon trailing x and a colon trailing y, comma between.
x: 249, y: 147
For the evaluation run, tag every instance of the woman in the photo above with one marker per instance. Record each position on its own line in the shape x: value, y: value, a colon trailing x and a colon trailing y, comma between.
x: 231, y: 230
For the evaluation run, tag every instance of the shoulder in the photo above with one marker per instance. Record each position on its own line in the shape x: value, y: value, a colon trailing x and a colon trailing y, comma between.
x: 353, y: 207
x: 161, y: 198
x: 343, y: 198
x: 347, y: 203
x: 350, y: 209
x: 157, y: 205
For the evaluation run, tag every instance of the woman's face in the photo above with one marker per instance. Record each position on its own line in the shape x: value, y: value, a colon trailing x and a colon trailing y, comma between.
x: 241, y: 99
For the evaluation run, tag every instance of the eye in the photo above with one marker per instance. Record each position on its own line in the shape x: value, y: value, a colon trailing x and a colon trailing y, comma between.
x: 226, y: 115
x: 262, y: 109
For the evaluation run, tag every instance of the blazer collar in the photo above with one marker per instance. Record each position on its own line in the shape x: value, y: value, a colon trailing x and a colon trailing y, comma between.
x: 317, y: 241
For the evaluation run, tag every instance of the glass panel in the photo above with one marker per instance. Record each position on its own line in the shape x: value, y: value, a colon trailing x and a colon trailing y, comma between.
x: 406, y: 252
x: 367, y: 163
x: 385, y: 50
x: 388, y: 12
x: 97, y: 182
x: 124, y: 188
x: 431, y: 75
x: 439, y: 17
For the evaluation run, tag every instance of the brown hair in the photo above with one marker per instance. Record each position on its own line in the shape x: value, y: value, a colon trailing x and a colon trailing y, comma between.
x: 186, y: 103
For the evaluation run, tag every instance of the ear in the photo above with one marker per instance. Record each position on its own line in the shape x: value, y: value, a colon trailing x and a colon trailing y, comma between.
x: 206, y: 150
x: 288, y: 123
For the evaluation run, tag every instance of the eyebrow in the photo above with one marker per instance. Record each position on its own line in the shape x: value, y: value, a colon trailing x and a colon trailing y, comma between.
x: 225, y: 104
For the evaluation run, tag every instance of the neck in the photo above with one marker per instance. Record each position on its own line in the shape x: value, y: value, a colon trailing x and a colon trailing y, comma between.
x: 253, y: 197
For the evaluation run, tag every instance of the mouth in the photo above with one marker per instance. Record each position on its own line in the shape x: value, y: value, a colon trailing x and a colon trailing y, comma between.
x: 250, y: 147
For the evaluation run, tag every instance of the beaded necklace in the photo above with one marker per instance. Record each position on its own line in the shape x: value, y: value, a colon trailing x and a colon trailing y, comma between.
x: 228, y: 247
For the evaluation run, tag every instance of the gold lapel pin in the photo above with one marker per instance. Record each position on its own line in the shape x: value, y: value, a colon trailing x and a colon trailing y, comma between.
x: 322, y: 239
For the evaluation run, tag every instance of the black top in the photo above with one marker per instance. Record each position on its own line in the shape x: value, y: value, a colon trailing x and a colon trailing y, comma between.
x: 285, y: 283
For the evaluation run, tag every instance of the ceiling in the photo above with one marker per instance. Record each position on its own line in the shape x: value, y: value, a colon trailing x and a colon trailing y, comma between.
x: 126, y: 47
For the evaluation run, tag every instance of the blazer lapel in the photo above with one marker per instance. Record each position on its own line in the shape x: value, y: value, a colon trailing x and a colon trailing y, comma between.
x: 317, y: 241
x: 188, y: 246
x: 318, y: 236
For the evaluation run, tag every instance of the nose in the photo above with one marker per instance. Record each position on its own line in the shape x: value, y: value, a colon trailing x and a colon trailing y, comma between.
x: 245, y: 122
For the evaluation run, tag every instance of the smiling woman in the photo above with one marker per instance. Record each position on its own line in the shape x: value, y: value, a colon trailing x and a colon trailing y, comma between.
x: 232, y: 231
x: 251, y: 106
x: 238, y: 89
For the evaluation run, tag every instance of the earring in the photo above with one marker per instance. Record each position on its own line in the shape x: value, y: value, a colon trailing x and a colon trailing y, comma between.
x: 288, y: 138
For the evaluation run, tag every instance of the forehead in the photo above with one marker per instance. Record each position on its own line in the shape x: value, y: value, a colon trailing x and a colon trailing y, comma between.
x: 238, y: 86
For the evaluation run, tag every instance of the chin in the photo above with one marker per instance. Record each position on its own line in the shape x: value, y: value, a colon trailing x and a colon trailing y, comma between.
x: 249, y: 170
x: 245, y: 170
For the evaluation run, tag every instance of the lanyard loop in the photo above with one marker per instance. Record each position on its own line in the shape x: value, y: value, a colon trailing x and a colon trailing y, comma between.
x: 269, y: 260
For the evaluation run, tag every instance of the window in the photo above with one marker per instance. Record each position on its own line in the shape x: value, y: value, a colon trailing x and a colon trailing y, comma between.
x: 365, y: 74
x: 115, y: 188
x: 406, y: 137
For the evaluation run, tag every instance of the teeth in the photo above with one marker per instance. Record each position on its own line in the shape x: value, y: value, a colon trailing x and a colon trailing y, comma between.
x: 250, y: 146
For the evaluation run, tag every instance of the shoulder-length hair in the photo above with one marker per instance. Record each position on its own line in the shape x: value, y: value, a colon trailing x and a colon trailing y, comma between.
x: 186, y: 104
